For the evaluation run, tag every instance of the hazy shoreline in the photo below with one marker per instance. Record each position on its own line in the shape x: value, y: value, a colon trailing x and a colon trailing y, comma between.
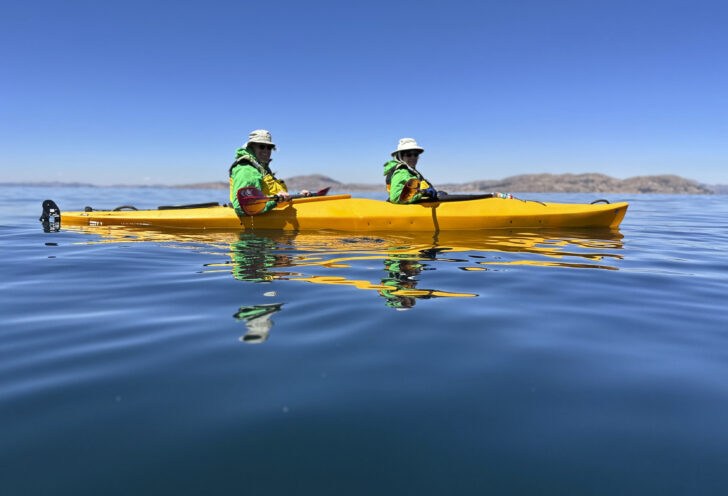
x: 531, y: 183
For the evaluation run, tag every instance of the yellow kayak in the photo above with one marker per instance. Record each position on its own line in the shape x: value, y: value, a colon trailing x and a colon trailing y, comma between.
x: 343, y: 213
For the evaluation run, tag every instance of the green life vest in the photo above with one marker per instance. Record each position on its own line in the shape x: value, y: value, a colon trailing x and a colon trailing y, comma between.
x: 424, y: 183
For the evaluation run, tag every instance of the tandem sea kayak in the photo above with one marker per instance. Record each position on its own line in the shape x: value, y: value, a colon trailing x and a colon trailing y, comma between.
x: 343, y: 213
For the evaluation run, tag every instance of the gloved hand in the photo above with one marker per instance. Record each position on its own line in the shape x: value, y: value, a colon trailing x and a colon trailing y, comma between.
x: 282, y: 196
x: 429, y: 192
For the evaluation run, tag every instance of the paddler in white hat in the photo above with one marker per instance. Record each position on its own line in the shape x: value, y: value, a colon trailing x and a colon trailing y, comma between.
x: 252, y: 169
x: 401, y: 169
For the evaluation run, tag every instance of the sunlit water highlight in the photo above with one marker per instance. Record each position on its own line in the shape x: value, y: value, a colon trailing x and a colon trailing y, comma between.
x: 190, y: 362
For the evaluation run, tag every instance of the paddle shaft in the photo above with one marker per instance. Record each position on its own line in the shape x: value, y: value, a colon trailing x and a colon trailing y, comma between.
x: 248, y: 197
x: 453, y: 198
x: 413, y: 187
x: 321, y: 192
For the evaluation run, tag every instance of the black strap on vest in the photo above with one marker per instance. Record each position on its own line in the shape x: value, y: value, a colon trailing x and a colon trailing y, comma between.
x: 244, y: 160
x: 252, y: 163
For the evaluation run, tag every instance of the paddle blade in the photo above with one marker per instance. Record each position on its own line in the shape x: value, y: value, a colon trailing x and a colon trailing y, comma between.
x: 252, y: 200
x: 411, y: 188
x: 322, y: 192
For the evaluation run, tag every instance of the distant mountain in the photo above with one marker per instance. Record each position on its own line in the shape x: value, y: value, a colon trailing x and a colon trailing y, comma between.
x: 59, y: 184
x: 50, y: 184
x: 584, y: 183
x: 526, y: 183
x: 315, y: 182
x: 215, y: 185
x: 718, y: 189
x: 533, y: 183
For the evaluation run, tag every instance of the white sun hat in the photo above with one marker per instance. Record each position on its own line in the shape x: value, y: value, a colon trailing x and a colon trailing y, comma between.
x: 260, y: 136
x: 407, y: 144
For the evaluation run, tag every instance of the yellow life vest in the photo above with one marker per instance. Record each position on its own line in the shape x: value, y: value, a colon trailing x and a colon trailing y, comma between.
x: 271, y: 186
x: 423, y: 185
x: 423, y: 182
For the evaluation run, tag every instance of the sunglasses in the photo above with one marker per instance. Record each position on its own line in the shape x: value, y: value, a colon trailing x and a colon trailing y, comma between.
x: 264, y: 147
x: 410, y: 154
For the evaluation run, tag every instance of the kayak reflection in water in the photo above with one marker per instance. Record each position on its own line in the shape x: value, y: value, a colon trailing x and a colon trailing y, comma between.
x: 402, y: 271
x: 257, y: 320
x: 258, y: 258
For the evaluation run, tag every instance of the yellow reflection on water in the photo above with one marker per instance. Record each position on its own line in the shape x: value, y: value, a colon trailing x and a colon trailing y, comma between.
x: 401, y: 260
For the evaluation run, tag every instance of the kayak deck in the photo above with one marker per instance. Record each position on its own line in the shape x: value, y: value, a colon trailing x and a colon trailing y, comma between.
x: 343, y: 213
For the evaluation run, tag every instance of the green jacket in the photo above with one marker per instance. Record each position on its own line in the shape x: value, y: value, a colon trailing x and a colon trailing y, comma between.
x: 400, y: 174
x: 247, y: 171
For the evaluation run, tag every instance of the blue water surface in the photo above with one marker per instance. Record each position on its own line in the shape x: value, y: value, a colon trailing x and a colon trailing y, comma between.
x: 143, y: 361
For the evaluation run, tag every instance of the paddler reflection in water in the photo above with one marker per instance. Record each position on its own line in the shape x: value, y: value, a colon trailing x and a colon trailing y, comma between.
x: 257, y: 320
x: 401, y: 169
x: 253, y: 258
x: 402, y: 271
x: 252, y: 169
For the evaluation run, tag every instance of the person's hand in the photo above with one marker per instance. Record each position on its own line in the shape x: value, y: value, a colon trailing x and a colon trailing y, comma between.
x: 283, y: 196
x: 305, y: 192
x: 430, y: 192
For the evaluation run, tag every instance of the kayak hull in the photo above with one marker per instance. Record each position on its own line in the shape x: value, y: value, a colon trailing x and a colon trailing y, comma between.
x: 340, y: 212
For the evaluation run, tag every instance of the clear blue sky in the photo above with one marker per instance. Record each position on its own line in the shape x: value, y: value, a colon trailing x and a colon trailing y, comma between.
x: 139, y: 92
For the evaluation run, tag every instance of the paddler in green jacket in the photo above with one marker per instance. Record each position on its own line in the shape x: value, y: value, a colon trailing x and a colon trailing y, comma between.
x: 401, y: 169
x: 252, y: 169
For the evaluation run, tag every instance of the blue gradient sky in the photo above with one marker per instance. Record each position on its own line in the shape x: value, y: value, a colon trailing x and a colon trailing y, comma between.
x: 164, y: 91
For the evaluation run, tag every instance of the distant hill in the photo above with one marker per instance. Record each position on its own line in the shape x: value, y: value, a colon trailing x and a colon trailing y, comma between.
x: 59, y: 184
x: 526, y: 183
x: 534, y: 183
x: 49, y: 184
x: 718, y: 189
x: 584, y: 183
x: 312, y: 182
x: 317, y: 181
x: 215, y: 185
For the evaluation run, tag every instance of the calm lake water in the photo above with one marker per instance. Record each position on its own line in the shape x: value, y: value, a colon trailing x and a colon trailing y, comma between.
x: 138, y: 361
